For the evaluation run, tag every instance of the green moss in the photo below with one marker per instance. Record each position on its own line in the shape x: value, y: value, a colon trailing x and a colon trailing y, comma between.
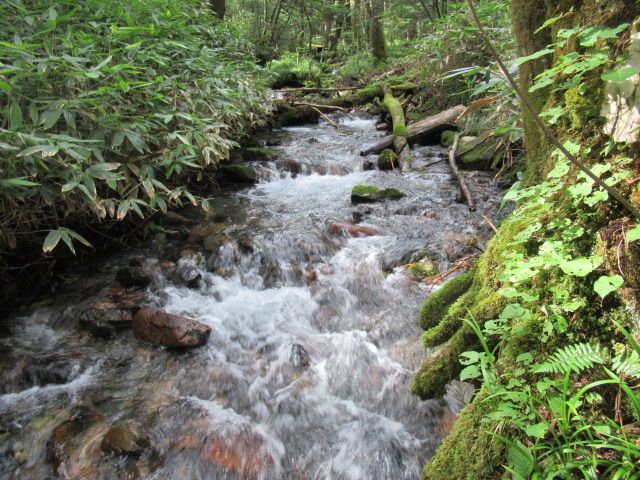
x: 370, y: 194
x: 400, y: 131
x: 261, y: 154
x: 423, y: 269
x: 469, y: 452
x: 239, y: 173
x: 371, y: 91
x: 387, y: 160
x: 436, y: 305
x: 584, y: 107
x: 447, y: 138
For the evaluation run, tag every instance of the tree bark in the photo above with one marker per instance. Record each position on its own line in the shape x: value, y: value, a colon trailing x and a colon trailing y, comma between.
x: 400, y: 142
x: 219, y: 8
x: 376, y: 32
x: 464, y: 188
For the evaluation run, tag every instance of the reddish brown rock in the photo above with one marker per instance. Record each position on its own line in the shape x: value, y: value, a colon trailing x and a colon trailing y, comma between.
x: 350, y: 230
x: 242, y: 455
x: 125, y: 438
x: 161, y: 328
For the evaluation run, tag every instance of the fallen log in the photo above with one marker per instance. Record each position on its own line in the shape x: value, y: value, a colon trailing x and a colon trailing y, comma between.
x: 419, y: 129
x: 314, y: 89
x: 464, y: 188
x: 318, y: 106
x: 400, y: 142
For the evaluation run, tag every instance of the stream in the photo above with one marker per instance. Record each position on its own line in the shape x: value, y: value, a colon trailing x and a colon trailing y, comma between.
x: 314, y: 342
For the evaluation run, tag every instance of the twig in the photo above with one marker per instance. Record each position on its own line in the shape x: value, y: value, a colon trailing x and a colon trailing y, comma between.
x: 329, y: 121
x: 317, y: 106
x: 434, y: 163
x: 462, y: 264
x: 461, y: 180
x: 491, y: 224
x: 536, y: 117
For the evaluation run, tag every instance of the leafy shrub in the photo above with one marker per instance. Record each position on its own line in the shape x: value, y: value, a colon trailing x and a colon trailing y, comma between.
x: 110, y: 108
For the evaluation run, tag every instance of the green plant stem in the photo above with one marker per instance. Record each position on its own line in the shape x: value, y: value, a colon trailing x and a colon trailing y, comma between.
x: 536, y: 116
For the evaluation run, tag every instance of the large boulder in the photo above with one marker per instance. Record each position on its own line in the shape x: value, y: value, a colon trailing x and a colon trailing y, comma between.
x: 371, y: 194
x: 239, y: 173
x: 158, y: 327
x: 261, y: 154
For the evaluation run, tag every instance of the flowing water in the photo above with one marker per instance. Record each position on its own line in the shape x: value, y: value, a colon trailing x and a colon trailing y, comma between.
x: 314, y: 340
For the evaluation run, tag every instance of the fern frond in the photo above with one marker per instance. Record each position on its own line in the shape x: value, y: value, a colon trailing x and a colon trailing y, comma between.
x: 573, y: 358
x: 627, y: 365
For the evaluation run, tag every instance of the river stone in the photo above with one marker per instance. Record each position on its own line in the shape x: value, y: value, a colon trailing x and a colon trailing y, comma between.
x: 261, y: 154
x: 350, y: 230
x: 243, y: 454
x: 158, y: 327
x: 239, y: 173
x: 103, y: 319
x: 371, y: 194
x: 387, y: 160
x: 74, y: 447
x: 134, y: 276
x: 125, y: 438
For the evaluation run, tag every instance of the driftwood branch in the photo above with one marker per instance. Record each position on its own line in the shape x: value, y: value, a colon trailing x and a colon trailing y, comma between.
x: 313, y: 89
x: 461, y: 180
x: 329, y: 121
x: 419, y: 129
x: 318, y: 106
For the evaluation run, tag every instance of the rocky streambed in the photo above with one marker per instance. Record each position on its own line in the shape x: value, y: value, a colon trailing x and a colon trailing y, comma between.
x: 277, y: 339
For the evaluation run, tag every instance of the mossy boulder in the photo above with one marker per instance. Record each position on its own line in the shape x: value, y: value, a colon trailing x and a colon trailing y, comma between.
x: 372, y: 194
x: 436, y: 305
x: 261, y: 154
x: 288, y: 116
x: 387, y: 160
x: 239, y: 173
x: 477, y: 152
x: 447, y: 138
x: 469, y: 452
x: 425, y: 268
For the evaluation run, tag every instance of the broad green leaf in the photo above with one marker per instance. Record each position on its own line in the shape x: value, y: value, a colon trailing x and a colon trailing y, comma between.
x: 18, y: 182
x: 4, y: 86
x: 633, y: 234
x: 15, y: 116
x: 51, y: 241
x: 533, y: 56
x: 521, y: 460
x: 43, y: 150
x: 470, y: 372
x: 581, y: 267
x: 538, y: 430
x: 560, y: 170
x: 607, y: 284
x: 620, y: 75
x: 50, y: 116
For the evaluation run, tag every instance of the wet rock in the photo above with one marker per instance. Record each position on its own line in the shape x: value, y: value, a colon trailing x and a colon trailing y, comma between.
x: 300, y: 358
x: 289, y: 165
x: 349, y: 230
x: 289, y: 116
x: 425, y: 268
x: 125, y: 438
x: 74, y: 447
x: 368, y: 165
x: 387, y: 160
x: 261, y: 154
x: 187, y: 274
x: 371, y: 194
x: 161, y: 328
x: 105, y: 318
x: 244, y: 455
x: 40, y: 371
x: 313, y: 140
x: 238, y: 173
x: 382, y: 126
x: 245, y: 244
x: 134, y: 276
x: 310, y: 276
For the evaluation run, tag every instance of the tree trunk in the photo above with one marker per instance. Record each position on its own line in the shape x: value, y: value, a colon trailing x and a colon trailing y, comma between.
x: 355, y: 23
x: 376, y: 32
x: 400, y: 142
x: 219, y: 8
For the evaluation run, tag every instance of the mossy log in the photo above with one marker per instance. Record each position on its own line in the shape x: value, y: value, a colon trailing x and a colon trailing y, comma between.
x: 400, y: 141
x: 436, y: 305
x: 420, y: 130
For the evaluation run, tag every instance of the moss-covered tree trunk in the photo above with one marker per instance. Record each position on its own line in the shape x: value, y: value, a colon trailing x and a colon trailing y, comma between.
x: 400, y: 141
x: 376, y: 32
